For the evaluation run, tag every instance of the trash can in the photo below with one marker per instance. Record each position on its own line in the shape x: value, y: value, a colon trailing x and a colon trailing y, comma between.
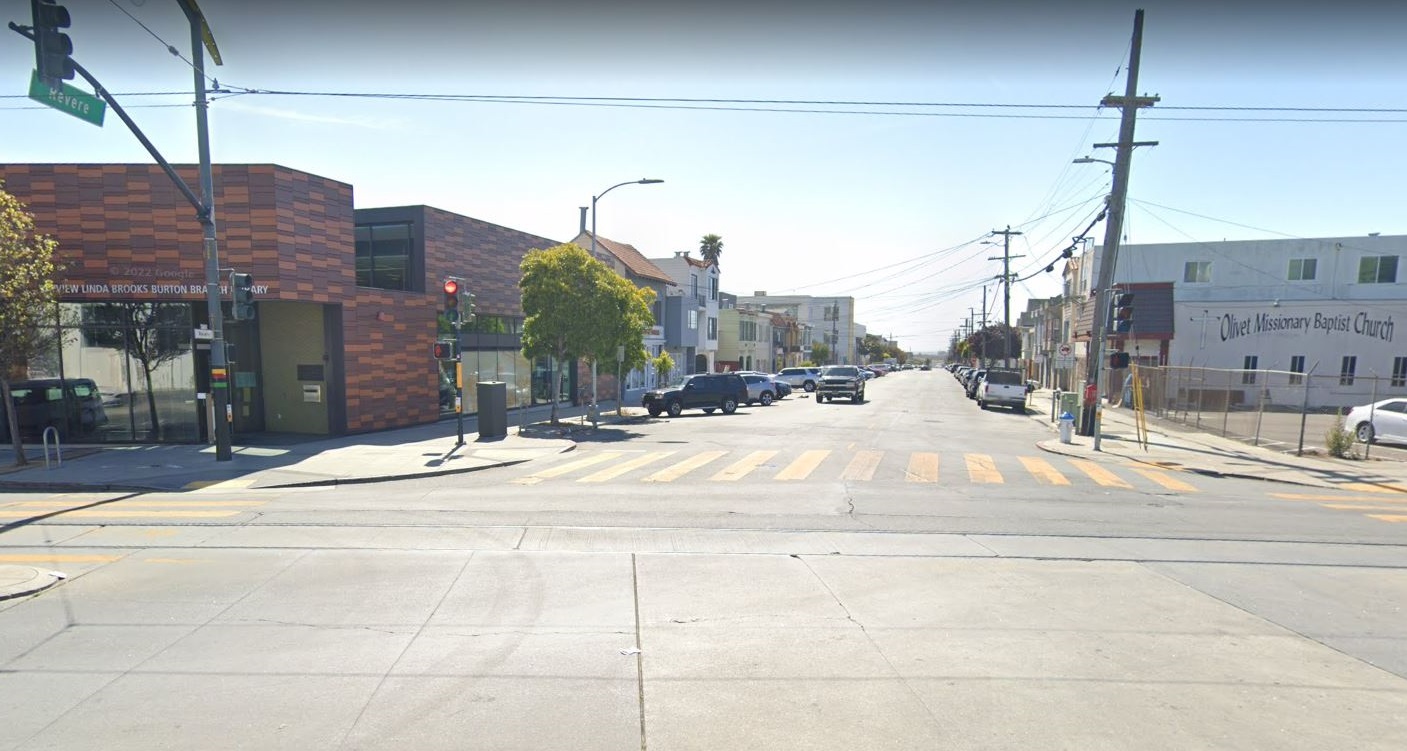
x: 1067, y: 427
x: 493, y: 409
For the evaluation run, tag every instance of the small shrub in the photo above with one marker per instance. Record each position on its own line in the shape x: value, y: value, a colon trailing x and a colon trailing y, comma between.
x: 1339, y: 440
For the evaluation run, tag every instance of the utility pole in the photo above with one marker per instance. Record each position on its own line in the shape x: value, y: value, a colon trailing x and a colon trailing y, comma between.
x: 835, y: 332
x: 1006, y: 289
x: 1130, y: 103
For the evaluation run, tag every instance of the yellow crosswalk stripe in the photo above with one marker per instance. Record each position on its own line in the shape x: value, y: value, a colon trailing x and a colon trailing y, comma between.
x: 803, y: 466
x: 137, y: 504
x: 1395, y: 518
x: 923, y: 467
x: 56, y: 558
x: 1166, y: 480
x: 1358, y: 507
x: 117, y: 514
x: 742, y: 467
x: 672, y: 473
x: 1043, y: 471
x: 1370, y: 487
x: 863, y: 466
x: 610, y: 473
x: 1099, y: 474
x: 981, y: 469
x: 562, y: 469
x: 1337, y: 498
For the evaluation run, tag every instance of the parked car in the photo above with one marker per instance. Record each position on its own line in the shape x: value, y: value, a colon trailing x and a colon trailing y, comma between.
x: 841, y: 381
x: 72, y: 406
x: 705, y: 391
x: 802, y: 378
x: 761, y: 389
x: 1384, y: 420
x: 1002, y: 388
x: 973, y: 378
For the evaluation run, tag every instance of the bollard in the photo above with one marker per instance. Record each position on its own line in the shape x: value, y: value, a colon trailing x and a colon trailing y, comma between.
x: 1067, y: 427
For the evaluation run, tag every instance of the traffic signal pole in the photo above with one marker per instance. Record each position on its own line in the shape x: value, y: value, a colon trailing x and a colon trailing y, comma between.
x: 1129, y: 103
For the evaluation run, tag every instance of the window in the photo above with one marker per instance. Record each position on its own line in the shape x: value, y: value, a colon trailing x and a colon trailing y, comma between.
x: 694, y: 285
x: 1377, y: 270
x: 383, y: 256
x: 712, y: 327
x: 713, y: 288
x: 1350, y: 364
x: 694, y: 320
x: 1303, y: 269
x: 1197, y: 272
x: 1248, y: 368
x: 1399, y: 371
x: 1296, y: 366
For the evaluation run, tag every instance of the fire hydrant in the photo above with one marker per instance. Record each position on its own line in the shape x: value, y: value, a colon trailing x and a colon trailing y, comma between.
x: 1067, y: 427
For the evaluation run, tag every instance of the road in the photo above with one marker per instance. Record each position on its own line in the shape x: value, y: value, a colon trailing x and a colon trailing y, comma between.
x: 910, y: 572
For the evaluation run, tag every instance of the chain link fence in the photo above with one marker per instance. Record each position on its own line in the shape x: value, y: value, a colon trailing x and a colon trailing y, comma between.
x: 1276, y: 409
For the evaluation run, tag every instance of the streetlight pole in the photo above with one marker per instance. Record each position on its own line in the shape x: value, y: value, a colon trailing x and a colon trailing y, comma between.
x: 595, y: 413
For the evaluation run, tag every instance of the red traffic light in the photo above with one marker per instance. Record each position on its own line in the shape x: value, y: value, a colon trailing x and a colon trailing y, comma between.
x: 451, y: 286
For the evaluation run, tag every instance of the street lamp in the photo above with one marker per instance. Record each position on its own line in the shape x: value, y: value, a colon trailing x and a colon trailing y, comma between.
x: 595, y: 414
x: 1092, y: 160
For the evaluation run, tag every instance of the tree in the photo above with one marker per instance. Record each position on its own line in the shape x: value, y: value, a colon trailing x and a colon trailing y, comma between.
x: 576, y: 306
x: 664, y: 365
x: 151, y: 333
x: 711, y: 247
x: 28, y: 296
x: 820, y: 352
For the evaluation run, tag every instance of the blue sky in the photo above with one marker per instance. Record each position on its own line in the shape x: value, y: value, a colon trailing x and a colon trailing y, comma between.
x: 889, y: 208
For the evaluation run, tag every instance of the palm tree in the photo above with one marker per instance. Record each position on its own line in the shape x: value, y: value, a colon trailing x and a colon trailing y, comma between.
x: 711, y: 247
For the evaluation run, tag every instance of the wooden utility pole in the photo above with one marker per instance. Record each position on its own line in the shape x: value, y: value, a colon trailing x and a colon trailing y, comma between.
x: 1006, y: 290
x: 1130, y: 103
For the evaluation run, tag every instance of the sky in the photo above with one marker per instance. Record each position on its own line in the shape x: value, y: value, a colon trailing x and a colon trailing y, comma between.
x: 853, y: 149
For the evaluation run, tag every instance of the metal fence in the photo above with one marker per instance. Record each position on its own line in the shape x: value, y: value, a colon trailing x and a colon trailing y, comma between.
x: 1273, y: 408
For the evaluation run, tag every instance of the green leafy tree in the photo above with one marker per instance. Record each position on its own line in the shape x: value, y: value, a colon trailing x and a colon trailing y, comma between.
x: 820, y: 352
x: 710, y: 248
x: 28, y: 296
x: 576, y: 306
x: 664, y: 365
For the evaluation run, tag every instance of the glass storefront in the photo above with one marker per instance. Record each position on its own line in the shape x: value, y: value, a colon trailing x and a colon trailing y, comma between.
x: 141, y: 358
x: 528, y: 381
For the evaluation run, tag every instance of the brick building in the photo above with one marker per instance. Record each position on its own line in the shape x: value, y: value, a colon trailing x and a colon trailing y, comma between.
x: 348, y: 300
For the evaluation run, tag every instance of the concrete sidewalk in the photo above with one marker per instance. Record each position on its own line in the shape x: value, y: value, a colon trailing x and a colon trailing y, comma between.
x: 1171, y: 445
x: 420, y: 451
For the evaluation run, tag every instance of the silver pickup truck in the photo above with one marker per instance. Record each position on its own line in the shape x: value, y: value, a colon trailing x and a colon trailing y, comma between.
x: 1003, y: 388
x: 841, y: 381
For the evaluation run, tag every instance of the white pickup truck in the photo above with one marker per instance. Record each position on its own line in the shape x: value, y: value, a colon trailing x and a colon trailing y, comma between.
x: 1003, y: 388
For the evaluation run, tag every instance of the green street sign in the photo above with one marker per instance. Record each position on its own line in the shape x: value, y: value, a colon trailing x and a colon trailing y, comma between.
x: 65, y: 98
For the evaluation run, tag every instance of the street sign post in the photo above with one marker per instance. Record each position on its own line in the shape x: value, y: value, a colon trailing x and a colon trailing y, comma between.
x: 68, y: 99
x: 1064, y: 357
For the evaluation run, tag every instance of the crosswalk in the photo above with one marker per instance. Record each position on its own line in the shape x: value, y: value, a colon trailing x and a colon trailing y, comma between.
x: 860, y: 466
x: 1379, y: 503
x: 69, y: 507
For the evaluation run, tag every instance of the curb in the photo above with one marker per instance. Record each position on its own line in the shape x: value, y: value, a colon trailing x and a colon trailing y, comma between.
x: 19, y: 581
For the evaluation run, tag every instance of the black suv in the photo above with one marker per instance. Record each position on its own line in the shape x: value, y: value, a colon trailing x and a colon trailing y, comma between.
x: 71, y: 406
x: 706, y: 391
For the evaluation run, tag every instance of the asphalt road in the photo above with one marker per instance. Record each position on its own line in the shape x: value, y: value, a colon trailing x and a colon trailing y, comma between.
x: 910, y: 572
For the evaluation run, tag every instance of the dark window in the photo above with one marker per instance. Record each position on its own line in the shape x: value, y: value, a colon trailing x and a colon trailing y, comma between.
x: 1399, y: 371
x: 1377, y: 270
x: 1197, y: 272
x: 1346, y: 371
x: 383, y: 256
x: 1248, y: 367
x: 1296, y: 366
x: 1303, y: 269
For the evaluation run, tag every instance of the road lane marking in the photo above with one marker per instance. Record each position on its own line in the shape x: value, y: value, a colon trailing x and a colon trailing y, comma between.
x: 923, y: 467
x: 562, y: 469
x: 139, y: 504
x: 1394, y: 518
x: 672, y: 473
x: 739, y: 469
x: 982, y: 469
x: 1336, y: 498
x: 1369, y: 487
x: 804, y: 465
x: 100, y: 513
x: 611, y: 473
x: 1358, y: 507
x: 1043, y: 471
x: 863, y: 466
x: 1166, y: 480
x: 1099, y: 474
x: 56, y: 558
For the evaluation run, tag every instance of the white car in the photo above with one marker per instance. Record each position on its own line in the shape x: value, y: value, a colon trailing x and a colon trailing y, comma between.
x: 760, y: 388
x: 800, y: 378
x: 1384, y: 420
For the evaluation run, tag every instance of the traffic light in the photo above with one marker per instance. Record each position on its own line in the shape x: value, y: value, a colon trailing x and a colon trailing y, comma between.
x: 469, y: 307
x: 443, y: 350
x: 242, y: 286
x: 1123, y: 313
x: 451, y: 309
x: 51, y: 46
x: 1118, y: 360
